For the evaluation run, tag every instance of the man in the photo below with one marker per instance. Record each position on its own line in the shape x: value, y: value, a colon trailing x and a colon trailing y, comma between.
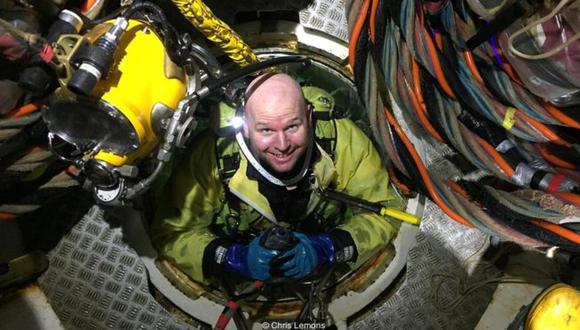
x: 212, y: 215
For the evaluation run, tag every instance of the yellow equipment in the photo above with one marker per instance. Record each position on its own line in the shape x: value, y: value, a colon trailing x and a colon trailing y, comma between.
x: 557, y: 307
x: 201, y: 16
x: 125, y: 109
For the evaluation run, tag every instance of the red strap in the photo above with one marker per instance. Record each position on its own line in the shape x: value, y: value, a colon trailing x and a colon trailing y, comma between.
x: 232, y: 305
x: 554, y: 185
x: 46, y: 53
x: 224, y: 319
x: 222, y: 322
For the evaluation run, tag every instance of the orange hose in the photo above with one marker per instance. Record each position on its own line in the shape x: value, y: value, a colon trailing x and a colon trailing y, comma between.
x: 507, y: 68
x: 87, y: 5
x: 24, y: 110
x: 555, y: 160
x: 546, y: 131
x: 5, y: 216
x: 500, y: 161
x: 558, y: 230
x: 72, y: 170
x: 419, y: 103
x: 472, y: 66
x: 457, y: 188
x: 395, y: 180
x: 356, y: 31
x: 438, y: 40
x: 560, y: 116
x: 568, y: 234
x: 417, y: 85
x: 374, y: 7
x: 423, y: 171
x: 568, y: 197
x: 36, y: 149
x: 439, y: 75
x: 432, y: 50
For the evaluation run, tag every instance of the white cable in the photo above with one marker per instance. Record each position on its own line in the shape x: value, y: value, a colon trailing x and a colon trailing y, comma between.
x: 483, y: 12
x: 537, y: 22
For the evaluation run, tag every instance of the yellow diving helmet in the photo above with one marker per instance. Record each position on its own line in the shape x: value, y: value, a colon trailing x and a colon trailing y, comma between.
x: 557, y: 307
x: 120, y: 120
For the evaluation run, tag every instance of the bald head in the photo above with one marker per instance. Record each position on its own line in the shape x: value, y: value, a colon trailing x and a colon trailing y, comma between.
x: 274, y: 90
x: 277, y: 121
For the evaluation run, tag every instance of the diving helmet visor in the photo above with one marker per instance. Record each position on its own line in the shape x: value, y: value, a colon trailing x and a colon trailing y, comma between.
x: 92, y: 125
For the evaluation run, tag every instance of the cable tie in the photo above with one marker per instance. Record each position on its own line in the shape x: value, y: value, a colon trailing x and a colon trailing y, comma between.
x: 551, y: 252
x: 509, y: 120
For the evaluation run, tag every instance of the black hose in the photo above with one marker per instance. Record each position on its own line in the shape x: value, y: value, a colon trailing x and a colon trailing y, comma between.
x: 361, y: 57
x: 17, y: 145
x: 350, y: 200
x: 410, y: 165
x: 143, y: 5
x: 169, y: 33
x: 431, y: 105
x: 212, y: 86
x: 381, y: 25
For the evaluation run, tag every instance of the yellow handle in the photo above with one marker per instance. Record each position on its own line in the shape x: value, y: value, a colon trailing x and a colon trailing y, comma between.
x: 400, y: 215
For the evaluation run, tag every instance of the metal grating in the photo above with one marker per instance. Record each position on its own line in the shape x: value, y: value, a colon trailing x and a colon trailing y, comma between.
x: 96, y: 281
x: 443, y: 247
x: 327, y: 16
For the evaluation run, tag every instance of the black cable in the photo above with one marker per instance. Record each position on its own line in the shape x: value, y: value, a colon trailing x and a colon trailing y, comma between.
x: 361, y: 56
x: 105, y: 18
x: 394, y: 9
x: 381, y: 20
x: 568, y: 154
x: 461, y: 8
x: 431, y: 105
x: 487, y: 73
x: 404, y: 154
x: 514, y: 220
x: 17, y: 145
x: 166, y: 29
x: 569, y: 134
x: 213, y: 86
x: 483, y: 128
x: 12, y: 193
x: 409, y: 163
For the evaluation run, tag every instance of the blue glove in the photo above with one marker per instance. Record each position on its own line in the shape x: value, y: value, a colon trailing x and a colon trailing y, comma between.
x: 252, y: 261
x: 307, y: 255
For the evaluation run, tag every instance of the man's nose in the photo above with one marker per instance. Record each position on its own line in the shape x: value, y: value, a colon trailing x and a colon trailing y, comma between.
x: 282, y: 144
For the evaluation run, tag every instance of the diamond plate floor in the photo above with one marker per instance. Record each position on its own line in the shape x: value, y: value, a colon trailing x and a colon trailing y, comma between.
x: 327, y: 16
x: 96, y: 281
x: 442, y: 251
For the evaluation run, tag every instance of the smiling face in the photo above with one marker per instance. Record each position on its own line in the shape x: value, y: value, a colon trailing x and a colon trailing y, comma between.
x: 277, y: 122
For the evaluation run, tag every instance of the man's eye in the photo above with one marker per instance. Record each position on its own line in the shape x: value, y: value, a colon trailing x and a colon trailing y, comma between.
x: 292, y: 127
x: 265, y: 130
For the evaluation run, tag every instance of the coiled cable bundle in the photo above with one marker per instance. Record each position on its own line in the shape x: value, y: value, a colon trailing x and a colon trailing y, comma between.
x: 521, y: 151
